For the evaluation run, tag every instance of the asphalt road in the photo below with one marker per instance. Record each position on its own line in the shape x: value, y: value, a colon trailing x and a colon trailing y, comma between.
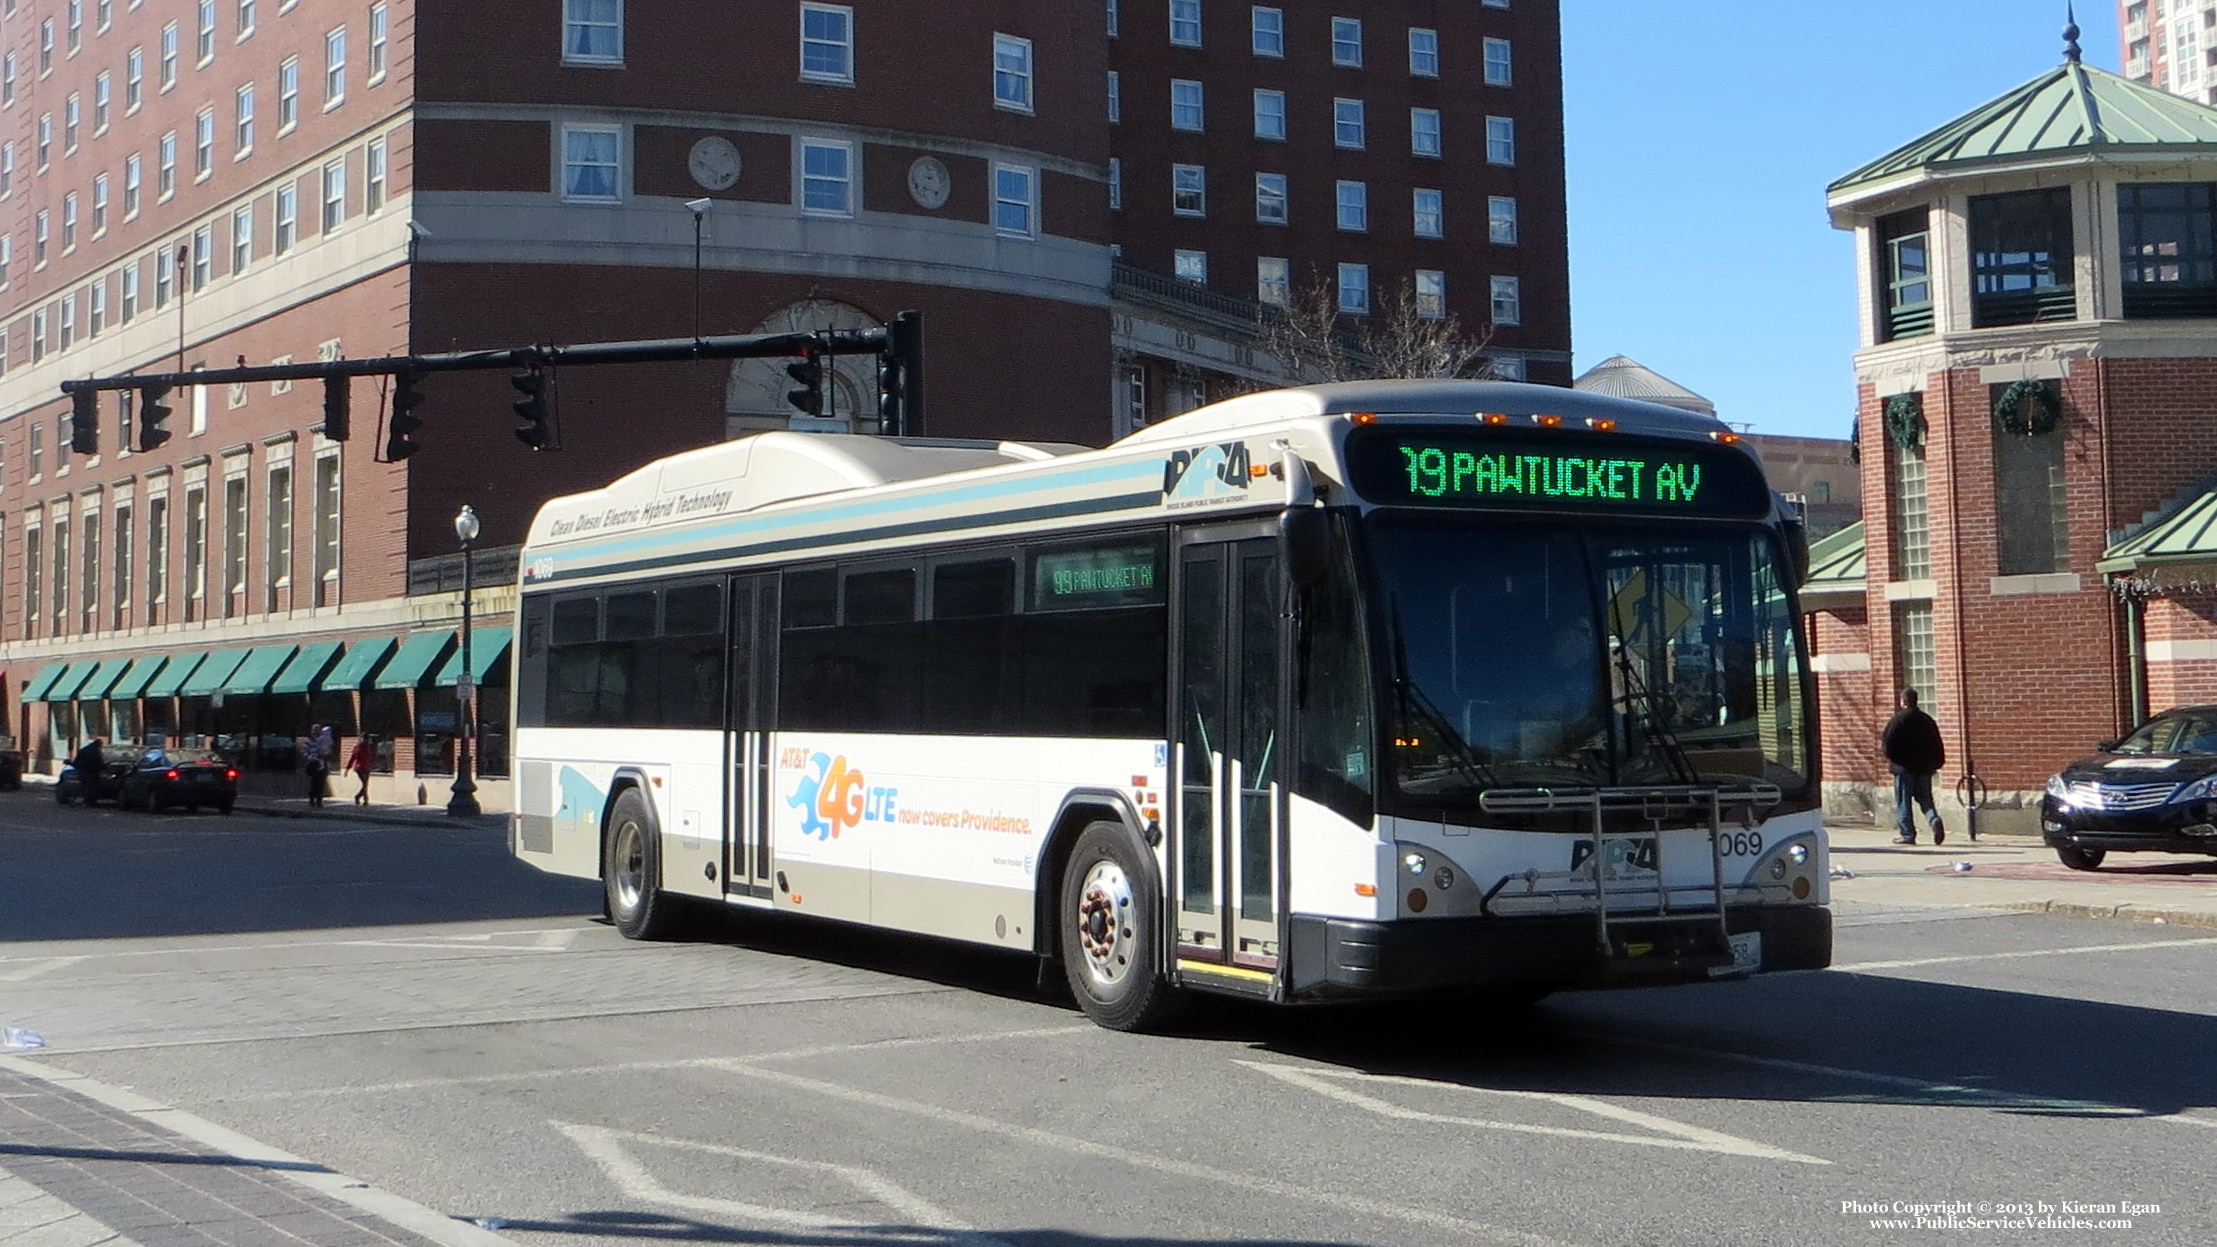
x: 411, y: 1008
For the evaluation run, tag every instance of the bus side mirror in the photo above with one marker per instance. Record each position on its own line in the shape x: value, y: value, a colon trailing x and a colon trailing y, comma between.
x: 1305, y: 541
x: 1797, y: 548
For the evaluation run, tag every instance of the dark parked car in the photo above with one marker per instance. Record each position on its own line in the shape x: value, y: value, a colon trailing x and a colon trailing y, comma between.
x: 2155, y: 791
x: 187, y: 777
x: 11, y: 765
x: 117, y: 761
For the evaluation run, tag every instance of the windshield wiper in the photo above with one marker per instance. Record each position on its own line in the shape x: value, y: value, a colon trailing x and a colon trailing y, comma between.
x: 1648, y: 708
x: 1414, y: 704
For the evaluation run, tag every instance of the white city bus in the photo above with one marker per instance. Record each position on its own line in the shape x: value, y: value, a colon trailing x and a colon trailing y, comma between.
x: 1381, y: 688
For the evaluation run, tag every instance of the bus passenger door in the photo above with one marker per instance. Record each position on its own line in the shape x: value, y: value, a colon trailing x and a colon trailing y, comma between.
x: 753, y: 686
x: 1224, y: 858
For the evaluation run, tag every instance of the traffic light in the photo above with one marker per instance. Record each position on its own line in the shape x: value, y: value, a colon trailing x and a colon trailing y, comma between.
x: 84, y: 421
x: 900, y: 375
x: 532, y: 408
x: 809, y: 372
x: 406, y: 398
x: 152, y: 413
x: 338, y: 418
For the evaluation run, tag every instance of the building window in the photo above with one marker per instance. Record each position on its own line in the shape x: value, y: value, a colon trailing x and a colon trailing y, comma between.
x: 242, y: 238
x: 165, y: 166
x: 34, y: 578
x: 157, y: 558
x: 1912, y: 533
x: 1424, y: 132
x: 88, y: 584
x: 1347, y: 42
x: 1501, y: 220
x: 593, y: 32
x: 334, y: 195
x: 1135, y: 395
x: 1185, y: 104
x: 38, y: 452
x: 7, y: 80
x: 69, y: 222
x: 128, y: 304
x: 7, y: 261
x: 103, y: 88
x: 1507, y: 302
x: 1116, y: 184
x: 1012, y: 73
x: 375, y: 65
x: 203, y: 257
x: 1115, y: 97
x: 1500, y: 141
x: 1497, y: 63
x: 1905, y: 268
x: 125, y: 410
x: 242, y: 128
x: 45, y: 140
x: 2021, y: 258
x: 373, y: 176
x: 288, y: 219
x: 1431, y: 294
x: 1273, y: 280
x: 1424, y: 52
x: 1015, y: 214
x: 46, y: 47
x: 7, y: 169
x: 827, y: 43
x: 1270, y: 115
x: 277, y: 538
x: 1269, y: 31
x: 58, y: 622
x: 591, y: 156
x: 234, y: 546
x: 134, y: 79
x: 203, y: 144
x: 96, y: 308
x: 41, y: 232
x: 1354, y: 206
x: 164, y: 275
x: 288, y: 94
x: 1354, y: 289
x: 74, y: 24
x: 1431, y: 209
x: 1347, y: 124
x: 827, y: 180
x: 1270, y: 198
x: 2031, y: 523
x: 334, y: 68
x: 1185, y: 23
x: 169, y: 56
x: 2170, y: 248
x: 1189, y: 190
x: 68, y: 323
x: 327, y: 530
x: 1191, y: 266
x: 131, y: 186
x: 121, y: 605
x: 69, y: 124
x: 1112, y: 19
x: 1915, y: 658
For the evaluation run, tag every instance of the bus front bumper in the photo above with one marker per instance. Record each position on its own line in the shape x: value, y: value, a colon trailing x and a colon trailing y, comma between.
x: 1342, y: 957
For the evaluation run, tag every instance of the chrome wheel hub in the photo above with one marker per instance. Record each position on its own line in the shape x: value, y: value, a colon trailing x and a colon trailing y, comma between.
x: 1104, y: 920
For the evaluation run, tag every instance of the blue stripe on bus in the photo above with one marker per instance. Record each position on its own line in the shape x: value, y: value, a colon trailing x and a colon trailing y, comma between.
x: 948, y: 524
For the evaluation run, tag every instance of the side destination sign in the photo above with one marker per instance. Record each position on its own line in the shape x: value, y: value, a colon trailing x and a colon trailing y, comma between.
x: 1533, y: 469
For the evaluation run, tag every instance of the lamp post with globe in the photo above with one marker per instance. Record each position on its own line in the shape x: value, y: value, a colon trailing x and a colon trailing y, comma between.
x: 464, y: 801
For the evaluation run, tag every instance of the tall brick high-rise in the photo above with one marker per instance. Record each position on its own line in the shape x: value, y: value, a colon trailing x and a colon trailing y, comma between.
x: 2037, y: 281
x: 1084, y: 199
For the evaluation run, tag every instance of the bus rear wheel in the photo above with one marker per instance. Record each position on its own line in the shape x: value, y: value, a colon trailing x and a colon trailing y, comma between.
x: 1112, y: 933
x: 631, y: 873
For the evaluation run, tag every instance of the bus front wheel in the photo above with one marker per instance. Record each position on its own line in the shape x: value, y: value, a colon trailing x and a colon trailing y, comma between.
x: 631, y: 872
x: 1111, y: 933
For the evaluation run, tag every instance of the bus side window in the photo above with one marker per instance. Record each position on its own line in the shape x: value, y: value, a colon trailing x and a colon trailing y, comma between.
x: 970, y: 649
x: 691, y: 656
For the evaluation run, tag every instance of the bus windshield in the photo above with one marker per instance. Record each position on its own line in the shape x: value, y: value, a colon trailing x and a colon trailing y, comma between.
x: 1520, y: 656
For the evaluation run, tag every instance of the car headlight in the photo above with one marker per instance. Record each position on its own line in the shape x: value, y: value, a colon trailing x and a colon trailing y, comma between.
x: 2057, y: 788
x: 2200, y: 790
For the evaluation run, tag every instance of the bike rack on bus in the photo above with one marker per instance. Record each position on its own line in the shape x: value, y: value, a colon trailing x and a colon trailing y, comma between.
x: 1655, y: 805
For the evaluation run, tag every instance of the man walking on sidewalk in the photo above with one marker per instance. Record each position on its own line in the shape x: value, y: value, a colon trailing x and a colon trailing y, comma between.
x: 1915, y: 752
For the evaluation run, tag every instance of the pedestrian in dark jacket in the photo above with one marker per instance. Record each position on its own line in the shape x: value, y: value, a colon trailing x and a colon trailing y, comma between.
x: 1915, y: 752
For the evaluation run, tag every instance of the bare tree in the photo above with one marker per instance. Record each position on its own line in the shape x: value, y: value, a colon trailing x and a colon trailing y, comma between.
x: 1314, y: 341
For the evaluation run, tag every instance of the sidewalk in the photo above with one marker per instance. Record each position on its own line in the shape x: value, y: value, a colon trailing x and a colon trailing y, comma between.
x: 2018, y: 873
x: 432, y: 814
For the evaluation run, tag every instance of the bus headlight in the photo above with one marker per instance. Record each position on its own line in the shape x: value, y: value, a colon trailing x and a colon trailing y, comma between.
x: 1799, y: 854
x: 1415, y: 863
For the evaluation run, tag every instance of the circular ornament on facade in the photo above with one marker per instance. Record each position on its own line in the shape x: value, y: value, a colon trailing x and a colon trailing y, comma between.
x: 714, y: 162
x: 2028, y: 408
x: 1905, y: 420
x: 928, y: 182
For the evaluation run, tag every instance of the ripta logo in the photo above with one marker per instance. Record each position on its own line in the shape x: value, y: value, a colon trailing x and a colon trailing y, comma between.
x: 1621, y: 856
x: 1209, y: 472
x: 829, y: 796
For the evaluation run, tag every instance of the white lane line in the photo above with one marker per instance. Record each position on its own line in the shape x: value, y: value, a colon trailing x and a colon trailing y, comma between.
x: 200, y: 950
x: 1092, y: 1151
x: 35, y: 967
x: 2016, y: 953
x: 672, y: 1063
x: 448, y: 946
x: 1669, y: 1133
x: 605, y: 1148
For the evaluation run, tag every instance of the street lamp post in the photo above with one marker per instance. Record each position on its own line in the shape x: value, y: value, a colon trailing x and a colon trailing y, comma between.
x: 464, y: 801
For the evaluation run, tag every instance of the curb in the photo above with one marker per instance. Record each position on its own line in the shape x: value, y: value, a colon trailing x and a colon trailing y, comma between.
x: 2122, y: 912
x: 352, y: 814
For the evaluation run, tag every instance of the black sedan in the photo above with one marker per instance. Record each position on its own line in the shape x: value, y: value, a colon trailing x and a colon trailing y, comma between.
x: 188, y: 777
x: 2155, y: 791
x: 117, y: 762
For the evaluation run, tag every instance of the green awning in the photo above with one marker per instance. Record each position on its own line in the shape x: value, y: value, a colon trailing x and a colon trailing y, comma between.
x: 361, y: 658
x: 214, y: 672
x: 262, y: 664
x: 300, y: 675
x: 36, y: 689
x: 174, y: 675
x: 488, y: 649
x: 65, y: 685
x: 133, y: 682
x: 418, y: 655
x: 102, y: 679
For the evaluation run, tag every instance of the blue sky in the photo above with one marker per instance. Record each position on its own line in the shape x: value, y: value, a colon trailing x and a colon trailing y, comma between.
x: 1701, y: 136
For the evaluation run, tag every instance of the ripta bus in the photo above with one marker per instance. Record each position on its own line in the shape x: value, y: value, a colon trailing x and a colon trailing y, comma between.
x: 1367, y: 689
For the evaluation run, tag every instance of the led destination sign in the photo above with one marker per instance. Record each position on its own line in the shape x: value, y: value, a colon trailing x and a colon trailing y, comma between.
x: 1528, y: 469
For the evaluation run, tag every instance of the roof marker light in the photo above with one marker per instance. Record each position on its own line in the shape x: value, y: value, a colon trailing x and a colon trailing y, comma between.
x: 1494, y: 417
x: 1729, y: 439
x: 1601, y: 424
x: 1364, y: 417
x: 1548, y: 422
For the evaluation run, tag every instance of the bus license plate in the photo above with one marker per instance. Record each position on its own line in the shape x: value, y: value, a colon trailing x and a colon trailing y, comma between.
x: 1747, y: 955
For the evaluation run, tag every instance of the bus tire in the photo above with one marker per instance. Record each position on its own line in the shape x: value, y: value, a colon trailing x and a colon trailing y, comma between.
x: 1111, y: 932
x: 631, y: 872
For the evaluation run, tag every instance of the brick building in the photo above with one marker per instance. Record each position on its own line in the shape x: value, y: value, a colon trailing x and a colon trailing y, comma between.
x: 2036, y: 292
x: 2171, y: 45
x: 188, y: 183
